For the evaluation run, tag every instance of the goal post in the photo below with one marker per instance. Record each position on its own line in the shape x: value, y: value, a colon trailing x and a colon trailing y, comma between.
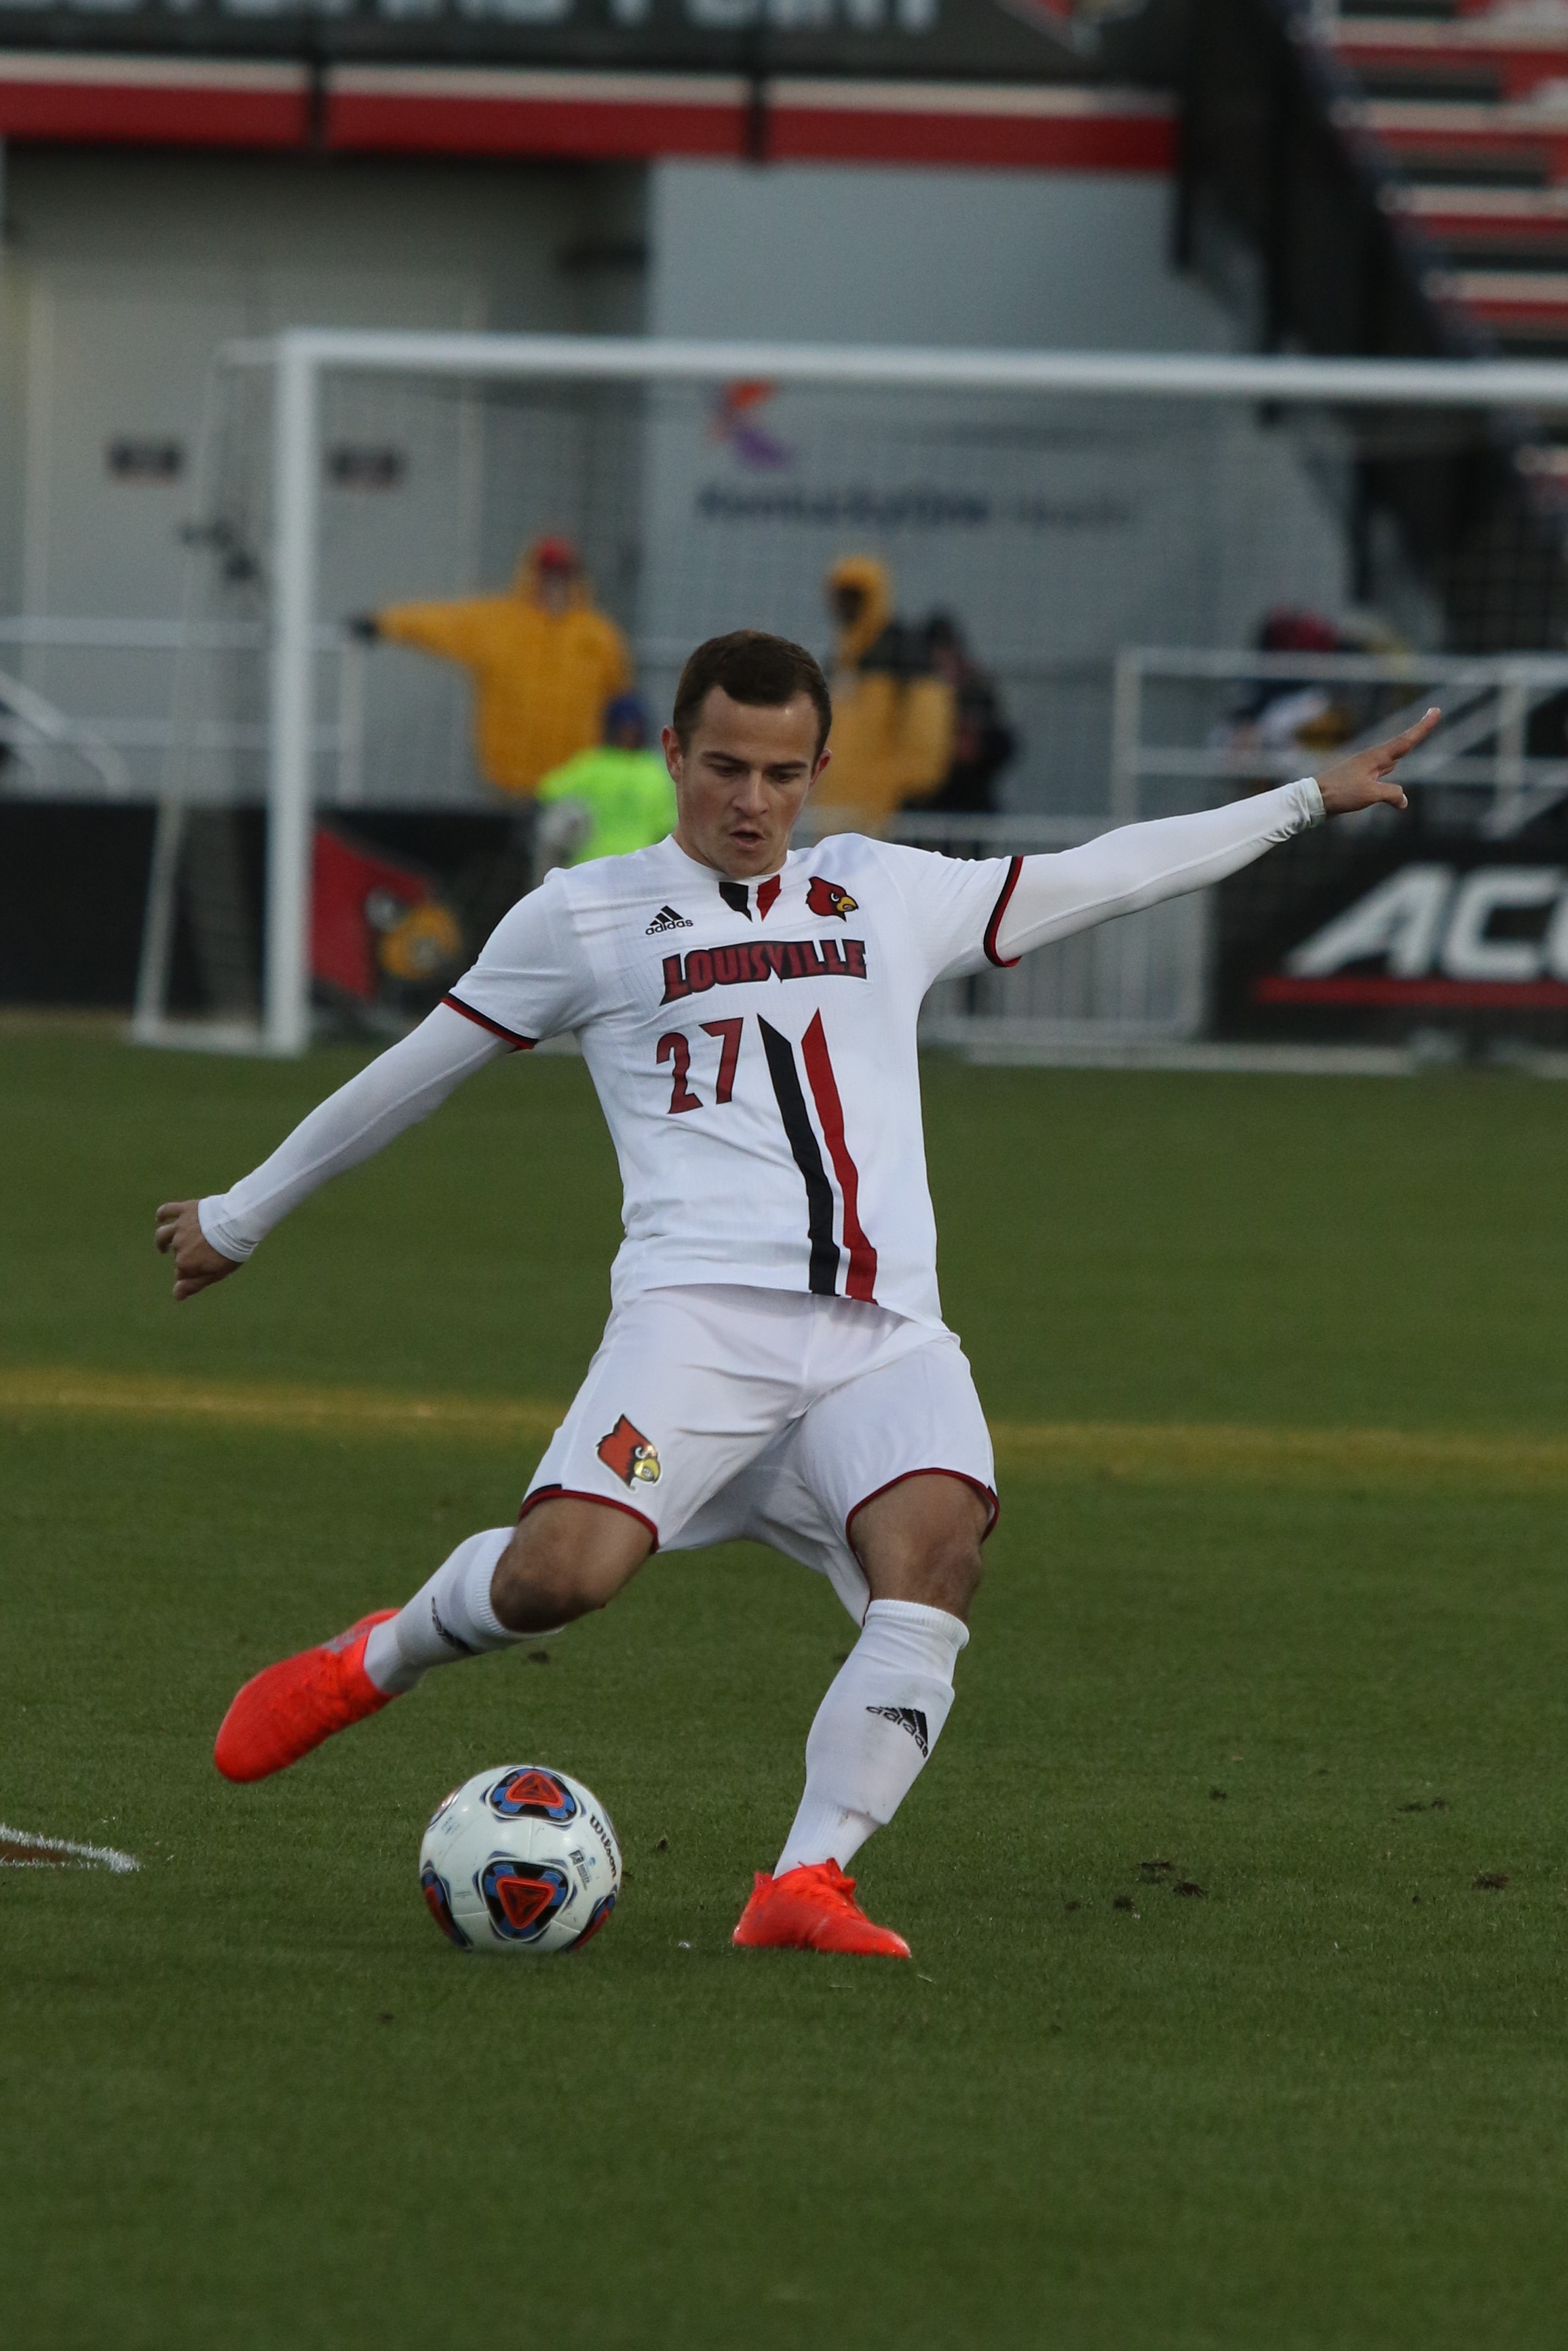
x: 1019, y: 499
x: 286, y: 994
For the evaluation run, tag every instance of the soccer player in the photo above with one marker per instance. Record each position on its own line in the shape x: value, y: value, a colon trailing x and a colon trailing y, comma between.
x: 776, y: 1365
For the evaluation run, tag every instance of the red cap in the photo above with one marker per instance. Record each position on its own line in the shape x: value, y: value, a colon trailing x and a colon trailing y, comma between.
x: 555, y: 555
x: 1285, y: 631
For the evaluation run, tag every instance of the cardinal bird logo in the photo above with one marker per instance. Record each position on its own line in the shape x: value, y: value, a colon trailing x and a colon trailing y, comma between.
x: 628, y: 1452
x: 830, y: 898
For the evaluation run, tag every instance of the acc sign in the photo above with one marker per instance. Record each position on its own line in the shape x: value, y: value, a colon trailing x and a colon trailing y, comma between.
x: 1493, y: 937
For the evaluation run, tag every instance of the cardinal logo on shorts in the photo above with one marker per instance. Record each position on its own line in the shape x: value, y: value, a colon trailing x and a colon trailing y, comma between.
x: 825, y: 897
x: 628, y: 1452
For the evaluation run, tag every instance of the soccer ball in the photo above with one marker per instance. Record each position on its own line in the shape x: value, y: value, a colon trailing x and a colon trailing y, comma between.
x: 520, y: 1859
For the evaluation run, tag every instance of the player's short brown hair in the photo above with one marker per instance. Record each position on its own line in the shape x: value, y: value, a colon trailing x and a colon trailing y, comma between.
x: 755, y: 668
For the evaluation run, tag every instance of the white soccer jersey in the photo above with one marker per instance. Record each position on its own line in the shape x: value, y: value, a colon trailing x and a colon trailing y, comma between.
x: 753, y: 1045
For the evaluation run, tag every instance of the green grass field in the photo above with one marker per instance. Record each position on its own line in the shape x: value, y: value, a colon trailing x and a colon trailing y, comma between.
x: 248, y: 2097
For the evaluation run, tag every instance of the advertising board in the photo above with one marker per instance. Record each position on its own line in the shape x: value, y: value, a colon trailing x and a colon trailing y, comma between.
x: 1371, y: 932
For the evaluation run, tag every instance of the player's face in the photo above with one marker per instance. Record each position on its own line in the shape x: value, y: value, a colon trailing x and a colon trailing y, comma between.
x: 742, y: 781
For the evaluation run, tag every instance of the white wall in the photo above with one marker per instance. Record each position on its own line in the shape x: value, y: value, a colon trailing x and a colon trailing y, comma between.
x: 123, y: 273
x: 1054, y: 533
x: 877, y: 254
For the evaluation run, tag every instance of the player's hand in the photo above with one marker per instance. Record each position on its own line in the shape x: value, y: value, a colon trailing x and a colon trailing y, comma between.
x: 1366, y: 779
x: 197, y: 1264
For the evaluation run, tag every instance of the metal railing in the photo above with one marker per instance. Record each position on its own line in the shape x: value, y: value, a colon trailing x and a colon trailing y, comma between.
x: 58, y: 753
x: 1480, y: 753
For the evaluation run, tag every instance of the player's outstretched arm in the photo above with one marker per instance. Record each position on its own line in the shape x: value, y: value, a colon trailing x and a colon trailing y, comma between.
x: 1142, y: 864
x: 210, y: 1239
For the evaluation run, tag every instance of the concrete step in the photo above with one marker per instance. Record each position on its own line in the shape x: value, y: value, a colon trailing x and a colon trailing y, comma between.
x: 1435, y: 12
x: 1523, y: 144
x: 1528, y: 304
x: 1470, y: 56
x: 1512, y: 224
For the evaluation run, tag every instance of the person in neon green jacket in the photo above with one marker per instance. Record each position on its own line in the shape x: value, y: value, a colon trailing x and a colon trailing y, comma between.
x: 607, y: 801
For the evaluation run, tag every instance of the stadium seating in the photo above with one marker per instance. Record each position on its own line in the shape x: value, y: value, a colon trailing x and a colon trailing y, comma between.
x: 1469, y: 106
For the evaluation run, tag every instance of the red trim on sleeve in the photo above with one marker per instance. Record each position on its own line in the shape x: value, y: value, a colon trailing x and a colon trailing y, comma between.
x: 1003, y: 963
x: 482, y: 1019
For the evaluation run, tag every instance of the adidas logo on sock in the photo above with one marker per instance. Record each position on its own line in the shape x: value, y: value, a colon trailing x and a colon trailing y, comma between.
x: 908, y: 1717
x: 444, y: 1632
x: 667, y: 919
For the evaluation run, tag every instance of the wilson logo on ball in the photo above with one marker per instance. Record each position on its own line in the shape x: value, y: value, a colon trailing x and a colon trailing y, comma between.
x: 531, y: 1794
x: 522, y: 1897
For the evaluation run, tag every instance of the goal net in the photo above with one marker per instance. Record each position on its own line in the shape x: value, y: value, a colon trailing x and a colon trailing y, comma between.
x: 1063, y: 518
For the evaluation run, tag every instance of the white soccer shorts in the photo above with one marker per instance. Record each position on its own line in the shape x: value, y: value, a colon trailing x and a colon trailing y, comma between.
x: 713, y: 1412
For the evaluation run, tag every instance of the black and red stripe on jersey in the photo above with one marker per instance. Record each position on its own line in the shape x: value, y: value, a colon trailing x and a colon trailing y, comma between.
x: 825, y: 1253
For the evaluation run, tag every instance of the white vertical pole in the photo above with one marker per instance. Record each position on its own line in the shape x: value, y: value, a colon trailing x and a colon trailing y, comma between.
x: 158, y: 921
x: 351, y: 722
x: 1126, y: 725
x: 291, y: 728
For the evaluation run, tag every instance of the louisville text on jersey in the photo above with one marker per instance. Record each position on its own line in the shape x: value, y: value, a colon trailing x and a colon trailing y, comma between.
x: 696, y: 972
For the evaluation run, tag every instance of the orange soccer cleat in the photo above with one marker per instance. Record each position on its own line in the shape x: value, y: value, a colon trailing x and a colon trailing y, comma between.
x: 812, y: 1909
x: 287, y: 1708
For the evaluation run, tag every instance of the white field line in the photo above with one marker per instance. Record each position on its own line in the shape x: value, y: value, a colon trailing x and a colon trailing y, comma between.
x: 1149, y: 1451
x: 23, y: 1849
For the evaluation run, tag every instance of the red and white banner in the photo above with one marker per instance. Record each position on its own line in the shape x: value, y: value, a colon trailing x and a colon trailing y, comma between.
x: 602, y: 116
x: 153, y: 101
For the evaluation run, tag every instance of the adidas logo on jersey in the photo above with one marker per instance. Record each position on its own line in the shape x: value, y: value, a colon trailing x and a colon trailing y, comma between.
x: 667, y: 919
x: 908, y: 1717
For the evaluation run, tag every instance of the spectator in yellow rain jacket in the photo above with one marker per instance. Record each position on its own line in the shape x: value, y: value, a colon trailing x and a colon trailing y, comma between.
x: 892, y: 716
x: 545, y: 663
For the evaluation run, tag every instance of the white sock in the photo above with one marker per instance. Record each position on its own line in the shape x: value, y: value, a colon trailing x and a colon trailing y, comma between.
x: 875, y: 1730
x: 448, y: 1618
